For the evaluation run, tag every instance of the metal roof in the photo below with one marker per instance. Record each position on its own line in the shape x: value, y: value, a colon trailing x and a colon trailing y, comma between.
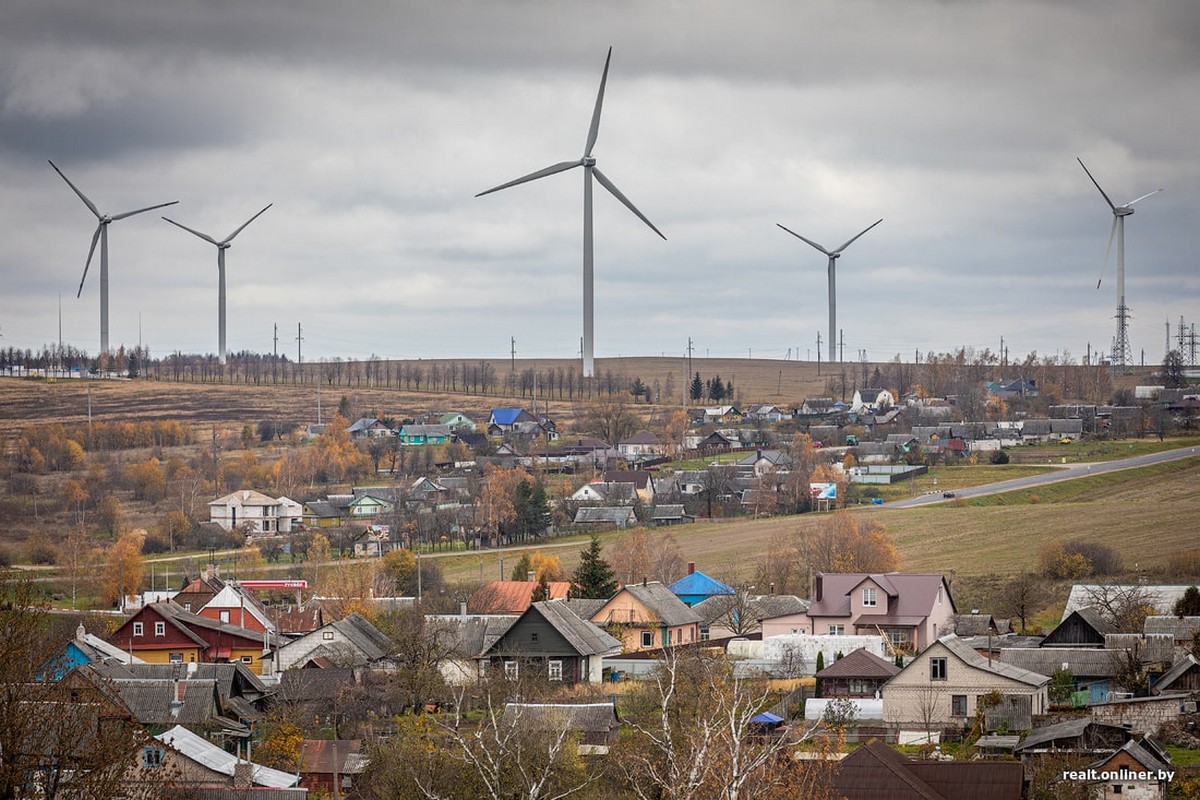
x: 209, y: 755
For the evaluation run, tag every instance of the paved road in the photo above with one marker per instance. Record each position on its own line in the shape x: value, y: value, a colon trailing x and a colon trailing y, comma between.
x: 1063, y: 474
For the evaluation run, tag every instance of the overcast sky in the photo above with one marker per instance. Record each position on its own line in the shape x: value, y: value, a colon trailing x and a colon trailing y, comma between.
x: 372, y: 125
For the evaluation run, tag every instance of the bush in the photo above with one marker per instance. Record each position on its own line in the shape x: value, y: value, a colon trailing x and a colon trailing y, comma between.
x: 6, y: 558
x: 1104, y: 559
x: 999, y: 457
x: 155, y: 542
x: 40, y: 551
x: 1055, y: 562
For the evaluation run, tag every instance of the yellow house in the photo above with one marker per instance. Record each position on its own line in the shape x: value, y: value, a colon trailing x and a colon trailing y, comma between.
x: 164, y: 633
x: 646, y: 616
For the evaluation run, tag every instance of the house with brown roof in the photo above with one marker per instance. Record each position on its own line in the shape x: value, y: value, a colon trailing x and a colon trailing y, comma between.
x: 642, y: 480
x: 596, y: 725
x: 877, y: 772
x: 331, y: 766
x: 860, y: 673
x: 511, y: 597
x: 1141, y: 768
x: 648, y: 615
x: 910, y: 609
x: 641, y: 446
x: 164, y: 633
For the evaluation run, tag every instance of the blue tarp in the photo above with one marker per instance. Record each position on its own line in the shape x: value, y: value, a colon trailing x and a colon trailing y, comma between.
x: 766, y: 718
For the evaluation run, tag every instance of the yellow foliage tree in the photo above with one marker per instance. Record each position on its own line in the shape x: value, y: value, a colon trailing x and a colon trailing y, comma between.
x: 123, y: 572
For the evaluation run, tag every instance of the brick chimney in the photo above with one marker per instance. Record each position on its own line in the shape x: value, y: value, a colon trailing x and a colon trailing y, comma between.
x: 817, y: 589
x: 691, y: 568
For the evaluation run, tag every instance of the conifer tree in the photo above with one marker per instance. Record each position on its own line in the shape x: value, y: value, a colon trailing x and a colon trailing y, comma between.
x: 593, y: 577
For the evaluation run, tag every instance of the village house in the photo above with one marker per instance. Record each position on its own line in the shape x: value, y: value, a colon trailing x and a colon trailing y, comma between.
x: 163, y: 633
x: 416, y: 435
x: 859, y: 673
x: 254, y: 511
x: 352, y: 641
x: 942, y: 685
x: 641, y: 446
x: 511, y: 597
x: 369, y: 428
x: 550, y: 640
x: 646, y: 616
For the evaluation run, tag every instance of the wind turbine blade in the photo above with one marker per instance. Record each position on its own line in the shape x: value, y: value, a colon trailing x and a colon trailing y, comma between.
x: 847, y: 244
x: 1089, y: 174
x: 203, y: 236
x: 82, y: 196
x: 229, y: 238
x: 141, y: 210
x: 88, y: 263
x: 807, y: 241
x: 1143, y: 197
x: 607, y: 184
x: 561, y: 166
x: 594, y: 130
x: 1103, y: 267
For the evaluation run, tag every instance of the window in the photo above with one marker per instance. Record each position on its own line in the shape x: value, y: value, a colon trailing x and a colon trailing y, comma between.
x: 533, y: 636
x: 837, y: 630
x: 187, y: 606
x: 555, y: 671
x: 224, y: 616
x: 958, y: 705
x: 704, y: 633
x: 175, y: 658
x: 247, y: 659
x: 647, y: 639
x: 138, y: 628
x: 327, y: 636
x: 937, y: 669
x: 511, y: 670
x: 869, y: 596
x: 939, y: 596
x: 152, y: 756
x: 160, y: 629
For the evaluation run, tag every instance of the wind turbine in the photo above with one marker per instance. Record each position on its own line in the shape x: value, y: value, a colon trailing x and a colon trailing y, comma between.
x: 101, y: 234
x: 1122, y: 353
x: 222, y: 246
x: 588, y: 162
x: 834, y: 255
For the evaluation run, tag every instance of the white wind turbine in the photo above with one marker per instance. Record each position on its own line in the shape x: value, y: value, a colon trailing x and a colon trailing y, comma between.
x: 101, y: 234
x: 222, y: 246
x: 834, y: 255
x: 588, y: 162
x: 1122, y: 353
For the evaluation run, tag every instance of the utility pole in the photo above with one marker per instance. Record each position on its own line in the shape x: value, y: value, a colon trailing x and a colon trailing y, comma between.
x: 689, y: 358
x: 514, y: 353
x: 841, y: 345
x: 818, y: 353
x: 299, y: 342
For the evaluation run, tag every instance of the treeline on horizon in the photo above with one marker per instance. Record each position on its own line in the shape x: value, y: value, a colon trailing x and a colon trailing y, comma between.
x: 962, y: 373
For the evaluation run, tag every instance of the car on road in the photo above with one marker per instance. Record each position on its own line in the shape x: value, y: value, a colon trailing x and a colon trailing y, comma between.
x: 948, y: 494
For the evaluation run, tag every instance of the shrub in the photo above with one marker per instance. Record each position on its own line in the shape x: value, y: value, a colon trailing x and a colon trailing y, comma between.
x: 1103, y: 559
x: 40, y: 551
x: 999, y: 457
x: 6, y: 558
x: 1055, y: 562
x: 155, y: 542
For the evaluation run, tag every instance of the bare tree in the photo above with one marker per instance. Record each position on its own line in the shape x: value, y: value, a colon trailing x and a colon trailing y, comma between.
x: 1125, y: 606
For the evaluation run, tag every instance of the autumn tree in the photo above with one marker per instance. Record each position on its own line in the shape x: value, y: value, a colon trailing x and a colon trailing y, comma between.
x: 1022, y: 596
x: 111, y: 514
x: 123, y: 571
x: 841, y: 544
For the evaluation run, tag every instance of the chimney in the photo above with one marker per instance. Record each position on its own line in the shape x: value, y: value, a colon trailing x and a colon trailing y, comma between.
x: 191, y: 669
x: 691, y: 567
x: 531, y: 576
x: 243, y: 774
x: 462, y: 610
x: 817, y: 594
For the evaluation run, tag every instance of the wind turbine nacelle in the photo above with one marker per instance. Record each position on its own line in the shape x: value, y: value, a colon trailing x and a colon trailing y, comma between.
x: 589, y: 161
x: 1123, y: 211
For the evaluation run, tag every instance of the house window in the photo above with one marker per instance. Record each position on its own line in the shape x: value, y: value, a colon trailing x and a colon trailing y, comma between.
x: 533, y: 636
x: 327, y: 636
x: 224, y: 616
x: 247, y: 659
x: 511, y: 670
x: 138, y: 629
x: 152, y: 756
x: 837, y: 630
x: 939, y: 596
x: 958, y: 705
x: 647, y: 639
x: 175, y: 658
x: 555, y: 670
x: 187, y: 606
x: 869, y: 596
x: 937, y: 669
x: 704, y: 634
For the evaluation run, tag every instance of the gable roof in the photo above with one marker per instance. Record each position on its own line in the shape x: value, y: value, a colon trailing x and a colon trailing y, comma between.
x: 640, y: 478
x: 641, y: 437
x: 584, y: 638
x: 582, y: 717
x: 1162, y: 597
x: 909, y: 594
x: 860, y: 663
x: 660, y: 601
x: 968, y: 655
x: 509, y: 416
x: 1177, y: 671
x: 1084, y: 662
x: 618, y: 515
x: 1182, y: 628
x: 877, y: 772
x: 370, y: 641
x: 1068, y: 729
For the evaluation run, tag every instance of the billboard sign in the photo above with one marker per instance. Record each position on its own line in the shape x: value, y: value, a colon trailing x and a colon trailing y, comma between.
x: 823, y: 491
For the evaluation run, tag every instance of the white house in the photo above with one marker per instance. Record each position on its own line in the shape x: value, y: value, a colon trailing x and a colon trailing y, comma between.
x: 262, y: 513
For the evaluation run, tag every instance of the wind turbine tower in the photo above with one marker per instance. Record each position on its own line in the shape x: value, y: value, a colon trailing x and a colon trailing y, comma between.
x: 590, y: 170
x: 101, y: 235
x: 834, y: 255
x: 222, y: 246
x: 1122, y: 353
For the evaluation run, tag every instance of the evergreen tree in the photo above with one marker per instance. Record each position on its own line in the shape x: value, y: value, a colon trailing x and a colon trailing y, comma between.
x: 532, y: 509
x: 696, y: 390
x: 1189, y: 604
x: 820, y: 666
x: 522, y: 568
x: 638, y: 389
x: 541, y: 592
x: 593, y: 577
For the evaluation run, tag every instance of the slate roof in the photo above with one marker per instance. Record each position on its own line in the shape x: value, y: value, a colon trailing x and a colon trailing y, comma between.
x: 1084, y: 662
x: 309, y: 685
x: 151, y: 701
x: 1182, y: 628
x: 426, y: 430
x: 511, y: 597
x: 1162, y: 597
x: 1155, y: 647
x: 472, y: 634
x: 668, y: 511
x: 970, y: 656
x: 662, y: 603
x: 327, y: 756
x: 210, y: 755
x: 699, y: 583
x: 583, y: 717
x: 759, y: 607
x: 617, y: 515
x: 859, y: 664
x: 1143, y: 752
x: 642, y: 437
x: 974, y: 624
x: 363, y: 635
x: 585, y: 638
x: 1072, y: 729
x: 1177, y: 670
x: 585, y: 607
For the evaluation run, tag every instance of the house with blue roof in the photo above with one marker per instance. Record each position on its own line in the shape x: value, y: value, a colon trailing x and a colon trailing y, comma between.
x: 696, y: 587
x: 505, y: 419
